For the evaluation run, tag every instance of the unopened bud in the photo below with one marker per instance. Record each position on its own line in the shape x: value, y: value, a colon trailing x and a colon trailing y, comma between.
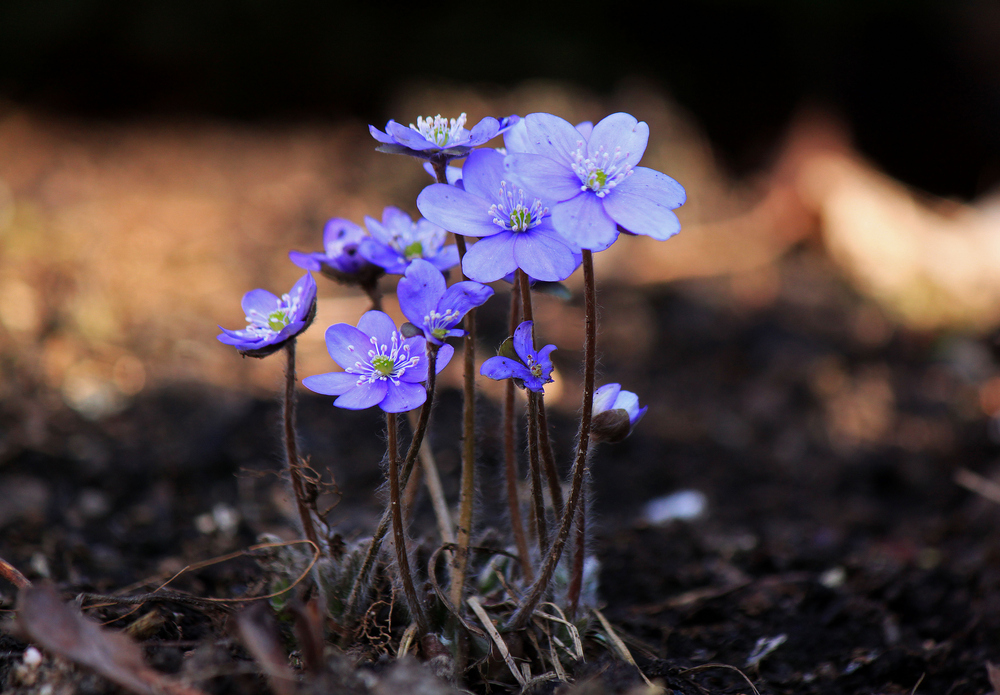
x: 610, y: 426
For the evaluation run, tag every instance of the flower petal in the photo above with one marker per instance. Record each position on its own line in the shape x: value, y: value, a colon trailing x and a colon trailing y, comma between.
x: 347, y: 345
x: 544, y: 255
x: 259, y: 301
x: 409, y: 137
x: 542, y: 176
x: 620, y: 130
x: 418, y: 348
x: 504, y: 368
x: 379, y: 135
x: 490, y: 258
x: 463, y: 296
x: 552, y: 137
x: 641, y: 215
x: 381, y: 254
x: 604, y: 397
x: 583, y: 220
x: 402, y: 397
x: 364, y: 396
x: 586, y: 128
x: 338, y: 232
x: 524, y: 343
x: 446, y: 258
x: 482, y: 174
x: 456, y: 210
x: 516, y: 138
x: 445, y: 353
x: 655, y: 186
x: 486, y: 129
x: 331, y: 384
x: 378, y: 325
x: 303, y: 294
x: 308, y: 261
x: 420, y: 290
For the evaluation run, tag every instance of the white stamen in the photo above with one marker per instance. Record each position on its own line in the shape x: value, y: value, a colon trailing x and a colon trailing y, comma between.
x: 602, y: 172
x: 512, y: 214
x: 439, y: 130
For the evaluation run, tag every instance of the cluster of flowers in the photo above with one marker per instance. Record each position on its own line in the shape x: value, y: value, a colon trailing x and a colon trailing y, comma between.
x: 553, y: 190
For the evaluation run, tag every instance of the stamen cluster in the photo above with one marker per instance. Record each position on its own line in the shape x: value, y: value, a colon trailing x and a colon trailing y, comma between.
x: 601, y: 172
x: 440, y: 130
x: 512, y: 214
x: 385, y: 362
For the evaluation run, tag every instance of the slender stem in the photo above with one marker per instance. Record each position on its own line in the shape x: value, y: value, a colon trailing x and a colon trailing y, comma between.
x: 548, y: 458
x: 534, y: 467
x: 510, y: 456
x: 291, y: 447
x: 579, y: 556
x: 527, y: 607
x: 433, y: 480
x: 419, y: 431
x: 399, y: 535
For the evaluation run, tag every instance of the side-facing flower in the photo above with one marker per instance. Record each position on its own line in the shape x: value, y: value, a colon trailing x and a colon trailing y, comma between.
x: 433, y: 307
x: 381, y: 367
x: 435, y: 138
x: 593, y: 178
x: 340, y: 259
x: 271, y: 320
x: 532, y: 369
x: 515, y: 225
x: 397, y: 240
x: 615, y: 413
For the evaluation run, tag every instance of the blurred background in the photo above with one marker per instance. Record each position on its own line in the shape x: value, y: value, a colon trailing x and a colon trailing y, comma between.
x: 159, y: 159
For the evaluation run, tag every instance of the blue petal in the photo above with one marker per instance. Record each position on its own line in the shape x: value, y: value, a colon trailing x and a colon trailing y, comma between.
x: 490, y: 258
x: 620, y: 130
x: 308, y: 261
x: 604, y: 397
x: 524, y: 342
x: 379, y: 135
x: 408, y: 137
x: 347, y: 345
x: 331, y: 384
x: 486, y: 129
x: 378, y: 325
x: 651, y: 184
x: 396, y: 221
x: 420, y: 291
x: 259, y: 301
x: 482, y: 174
x: 418, y: 348
x: 364, y: 396
x: 585, y: 128
x: 402, y: 397
x: 338, y: 232
x: 642, y: 216
x: 545, y: 177
x: 544, y: 255
x: 446, y: 258
x: 553, y: 137
x: 463, y: 296
x: 583, y: 220
x: 504, y: 368
x: 629, y: 402
x: 382, y: 255
x: 377, y: 230
x: 303, y: 293
x: 445, y: 353
x: 456, y: 210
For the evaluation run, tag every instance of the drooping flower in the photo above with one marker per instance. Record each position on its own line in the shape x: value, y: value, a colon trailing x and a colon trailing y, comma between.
x: 532, y: 369
x: 434, y: 308
x: 435, y: 138
x: 397, y: 240
x: 271, y: 320
x: 593, y: 179
x: 340, y: 259
x: 515, y: 224
x: 381, y: 367
x: 615, y: 413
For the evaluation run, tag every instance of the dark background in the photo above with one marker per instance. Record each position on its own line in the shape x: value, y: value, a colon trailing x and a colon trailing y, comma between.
x: 917, y: 81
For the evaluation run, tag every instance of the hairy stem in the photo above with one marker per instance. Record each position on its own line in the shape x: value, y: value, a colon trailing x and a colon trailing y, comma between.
x: 399, y: 535
x: 548, y: 458
x: 510, y: 455
x: 304, y: 502
x: 579, y: 556
x: 537, y: 590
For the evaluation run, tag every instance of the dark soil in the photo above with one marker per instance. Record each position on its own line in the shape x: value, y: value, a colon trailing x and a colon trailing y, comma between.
x: 836, y: 555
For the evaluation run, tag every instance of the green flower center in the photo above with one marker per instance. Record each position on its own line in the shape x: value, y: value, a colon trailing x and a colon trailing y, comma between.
x: 414, y: 250
x: 440, y: 333
x: 277, y: 320
x: 384, y: 364
x: 597, y: 179
x: 520, y: 219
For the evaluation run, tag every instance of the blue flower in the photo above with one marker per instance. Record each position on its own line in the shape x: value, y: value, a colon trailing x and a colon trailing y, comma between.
x: 435, y: 138
x: 381, y: 367
x: 434, y: 308
x: 397, y: 240
x: 340, y: 258
x: 593, y: 178
x: 515, y: 225
x: 272, y: 321
x: 532, y: 369
x: 615, y: 413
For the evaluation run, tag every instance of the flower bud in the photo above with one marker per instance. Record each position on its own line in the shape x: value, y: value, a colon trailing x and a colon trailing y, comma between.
x: 615, y: 413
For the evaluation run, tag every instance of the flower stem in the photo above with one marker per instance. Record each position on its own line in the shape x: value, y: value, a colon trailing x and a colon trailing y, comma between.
x: 534, y: 467
x: 419, y: 432
x: 399, y: 535
x: 535, y: 593
x: 510, y: 456
x: 579, y: 556
x: 303, y: 501
x: 548, y: 458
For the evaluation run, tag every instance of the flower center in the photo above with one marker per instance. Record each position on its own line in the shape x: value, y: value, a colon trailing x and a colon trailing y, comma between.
x: 414, y: 250
x: 601, y: 172
x: 439, y: 324
x: 278, y: 319
x: 512, y: 214
x: 439, y: 130
x: 536, y: 369
x: 384, y: 361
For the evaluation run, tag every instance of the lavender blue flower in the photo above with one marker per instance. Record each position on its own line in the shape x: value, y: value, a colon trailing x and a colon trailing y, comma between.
x: 397, y: 240
x: 615, y: 413
x: 532, y: 369
x: 433, y: 307
x: 381, y: 367
x: 593, y: 179
x: 272, y: 321
x: 435, y: 138
x: 515, y: 225
x: 339, y: 259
